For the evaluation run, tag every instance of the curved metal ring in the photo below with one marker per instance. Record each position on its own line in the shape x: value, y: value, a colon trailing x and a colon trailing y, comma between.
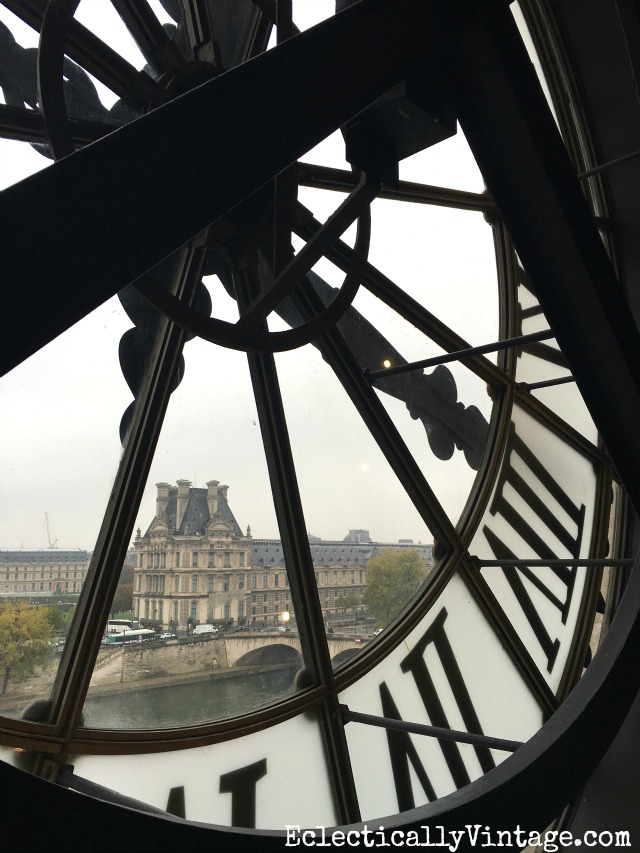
x: 53, y: 38
x: 55, y: 27
x: 228, y: 335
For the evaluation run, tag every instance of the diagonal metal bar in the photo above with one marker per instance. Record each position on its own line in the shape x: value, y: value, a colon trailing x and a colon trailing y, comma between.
x: 461, y: 355
x: 310, y: 253
x: 139, y: 181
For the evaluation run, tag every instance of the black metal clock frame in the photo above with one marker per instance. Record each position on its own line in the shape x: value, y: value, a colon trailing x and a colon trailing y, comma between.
x: 475, y: 53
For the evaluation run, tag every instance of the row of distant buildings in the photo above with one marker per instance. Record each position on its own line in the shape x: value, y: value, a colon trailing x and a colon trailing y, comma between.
x: 39, y: 574
x: 194, y: 564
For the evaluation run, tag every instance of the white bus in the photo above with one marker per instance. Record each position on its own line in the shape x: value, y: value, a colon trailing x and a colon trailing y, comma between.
x: 117, y: 626
x: 143, y: 635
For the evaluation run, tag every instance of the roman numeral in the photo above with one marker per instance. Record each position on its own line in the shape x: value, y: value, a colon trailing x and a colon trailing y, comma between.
x: 538, y: 349
x: 402, y: 751
x: 545, y: 501
x: 241, y: 784
x: 175, y: 803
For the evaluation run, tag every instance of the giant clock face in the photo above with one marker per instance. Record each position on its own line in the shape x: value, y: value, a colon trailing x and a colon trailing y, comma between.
x: 306, y: 385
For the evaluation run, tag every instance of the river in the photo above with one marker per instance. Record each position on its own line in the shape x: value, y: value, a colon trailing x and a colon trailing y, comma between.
x: 189, y: 703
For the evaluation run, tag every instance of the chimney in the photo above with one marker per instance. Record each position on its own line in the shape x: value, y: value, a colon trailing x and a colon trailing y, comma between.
x: 212, y: 497
x: 222, y: 490
x: 182, y: 500
x: 163, y: 498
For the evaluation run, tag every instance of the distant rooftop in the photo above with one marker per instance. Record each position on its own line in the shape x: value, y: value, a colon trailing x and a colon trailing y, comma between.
x: 42, y: 556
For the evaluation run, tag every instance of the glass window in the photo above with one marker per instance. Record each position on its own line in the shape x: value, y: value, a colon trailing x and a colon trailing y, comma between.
x: 194, y: 583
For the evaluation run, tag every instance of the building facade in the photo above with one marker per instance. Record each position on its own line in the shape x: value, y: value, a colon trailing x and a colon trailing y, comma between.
x: 39, y: 574
x: 195, y: 565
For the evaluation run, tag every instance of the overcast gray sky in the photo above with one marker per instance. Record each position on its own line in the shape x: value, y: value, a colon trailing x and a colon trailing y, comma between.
x: 60, y: 410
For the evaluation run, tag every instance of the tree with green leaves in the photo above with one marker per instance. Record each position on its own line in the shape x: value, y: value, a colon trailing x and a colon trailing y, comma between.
x: 123, y: 599
x: 393, y: 577
x: 57, y: 616
x: 347, y: 601
x: 26, y: 634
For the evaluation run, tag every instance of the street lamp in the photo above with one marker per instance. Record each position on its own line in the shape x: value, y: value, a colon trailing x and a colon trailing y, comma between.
x: 284, y: 617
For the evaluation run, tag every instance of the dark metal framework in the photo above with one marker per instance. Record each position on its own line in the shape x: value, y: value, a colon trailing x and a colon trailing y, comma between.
x: 475, y: 55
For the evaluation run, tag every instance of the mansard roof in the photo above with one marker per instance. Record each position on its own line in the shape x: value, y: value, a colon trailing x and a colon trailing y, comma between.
x: 196, y: 515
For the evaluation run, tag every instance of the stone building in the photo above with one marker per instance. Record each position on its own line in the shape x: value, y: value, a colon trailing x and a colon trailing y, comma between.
x: 192, y: 562
x: 195, y: 563
x: 38, y: 574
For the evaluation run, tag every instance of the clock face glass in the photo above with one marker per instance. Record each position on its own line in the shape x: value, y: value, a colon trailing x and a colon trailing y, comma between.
x: 330, y: 530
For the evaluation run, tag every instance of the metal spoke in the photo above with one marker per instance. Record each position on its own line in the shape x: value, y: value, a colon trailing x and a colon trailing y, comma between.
x: 298, y: 560
x: 91, y: 53
x: 546, y: 383
x: 135, y: 87
x: 76, y: 666
x: 590, y: 563
x: 462, y: 355
x: 341, y: 180
x: 27, y: 126
x: 158, y: 49
x: 305, y: 226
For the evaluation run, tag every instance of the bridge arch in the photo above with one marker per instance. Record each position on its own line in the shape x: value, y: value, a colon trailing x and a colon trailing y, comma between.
x: 271, y: 654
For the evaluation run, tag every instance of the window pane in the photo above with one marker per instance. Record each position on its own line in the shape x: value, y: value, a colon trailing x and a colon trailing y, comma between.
x: 212, y: 647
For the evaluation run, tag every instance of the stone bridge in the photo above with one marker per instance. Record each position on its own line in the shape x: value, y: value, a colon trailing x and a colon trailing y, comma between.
x: 195, y: 656
x: 270, y: 648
